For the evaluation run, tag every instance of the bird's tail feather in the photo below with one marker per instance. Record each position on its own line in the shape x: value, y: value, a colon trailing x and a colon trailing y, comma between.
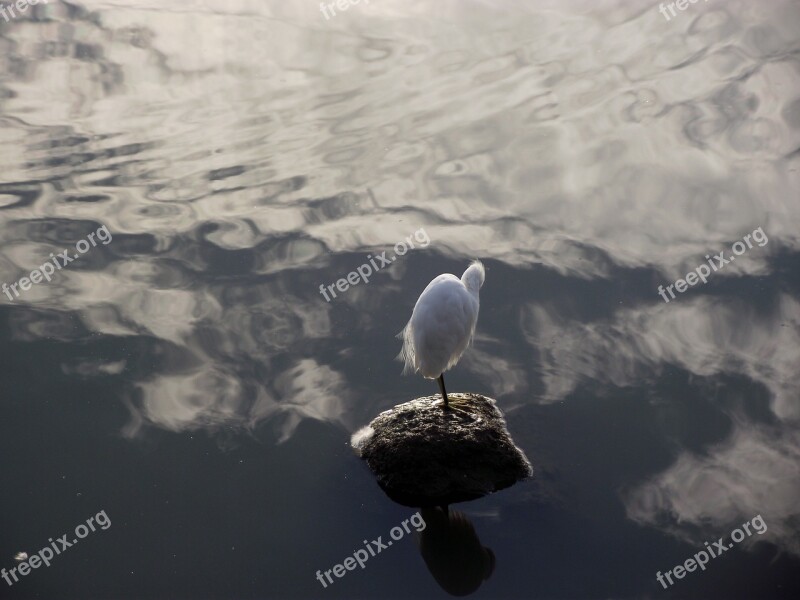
x: 407, y: 353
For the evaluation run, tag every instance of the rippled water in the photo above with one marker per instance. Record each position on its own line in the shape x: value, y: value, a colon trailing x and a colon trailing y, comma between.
x: 189, y: 379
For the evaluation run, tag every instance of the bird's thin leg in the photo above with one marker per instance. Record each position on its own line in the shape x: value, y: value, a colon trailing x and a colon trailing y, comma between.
x: 441, y: 389
x: 447, y: 405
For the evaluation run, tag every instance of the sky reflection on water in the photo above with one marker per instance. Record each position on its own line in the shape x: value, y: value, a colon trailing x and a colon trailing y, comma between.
x: 190, y: 379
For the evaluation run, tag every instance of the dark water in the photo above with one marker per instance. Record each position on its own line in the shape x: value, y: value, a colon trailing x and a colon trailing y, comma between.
x: 187, y: 379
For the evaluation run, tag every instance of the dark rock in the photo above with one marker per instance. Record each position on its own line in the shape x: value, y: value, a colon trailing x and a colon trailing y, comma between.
x: 424, y: 455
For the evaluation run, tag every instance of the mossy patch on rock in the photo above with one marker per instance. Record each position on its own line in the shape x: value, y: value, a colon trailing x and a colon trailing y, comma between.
x: 425, y: 455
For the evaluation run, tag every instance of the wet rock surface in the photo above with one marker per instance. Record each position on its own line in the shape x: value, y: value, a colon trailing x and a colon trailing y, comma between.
x: 424, y: 455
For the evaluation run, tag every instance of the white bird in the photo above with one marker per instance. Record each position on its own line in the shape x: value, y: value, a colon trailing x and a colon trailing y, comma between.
x: 442, y: 324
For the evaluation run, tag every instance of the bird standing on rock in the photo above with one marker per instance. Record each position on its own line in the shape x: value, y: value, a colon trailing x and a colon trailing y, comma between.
x: 442, y: 324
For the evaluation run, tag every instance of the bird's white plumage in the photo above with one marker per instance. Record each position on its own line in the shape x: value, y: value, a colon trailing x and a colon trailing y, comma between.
x: 442, y: 323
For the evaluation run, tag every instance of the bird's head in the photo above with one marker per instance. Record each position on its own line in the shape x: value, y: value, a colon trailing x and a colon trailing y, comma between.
x: 473, y: 277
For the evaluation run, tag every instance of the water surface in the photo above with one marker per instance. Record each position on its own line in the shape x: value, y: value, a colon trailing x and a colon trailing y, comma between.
x: 189, y: 379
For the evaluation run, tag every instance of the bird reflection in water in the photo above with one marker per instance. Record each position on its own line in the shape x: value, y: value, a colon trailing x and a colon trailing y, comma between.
x: 454, y: 555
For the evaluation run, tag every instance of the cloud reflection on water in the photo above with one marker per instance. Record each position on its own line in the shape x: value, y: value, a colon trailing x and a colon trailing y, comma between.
x: 239, y: 171
x: 755, y: 469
